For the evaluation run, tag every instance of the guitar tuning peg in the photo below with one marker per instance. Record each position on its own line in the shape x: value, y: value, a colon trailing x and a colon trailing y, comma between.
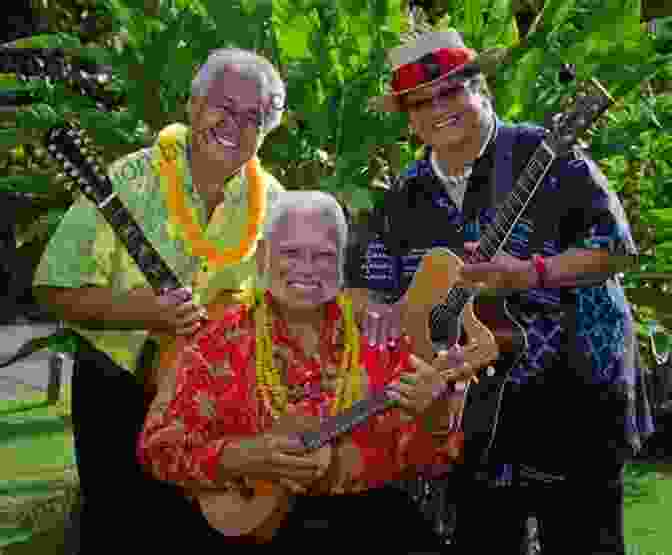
x: 51, y: 147
x: 73, y: 173
x: 67, y: 165
x: 59, y: 156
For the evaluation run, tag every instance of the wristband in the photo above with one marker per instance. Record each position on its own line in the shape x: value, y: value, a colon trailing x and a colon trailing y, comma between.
x: 540, y: 267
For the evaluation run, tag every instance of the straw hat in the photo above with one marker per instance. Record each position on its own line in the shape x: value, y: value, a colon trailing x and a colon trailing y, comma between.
x: 424, y: 60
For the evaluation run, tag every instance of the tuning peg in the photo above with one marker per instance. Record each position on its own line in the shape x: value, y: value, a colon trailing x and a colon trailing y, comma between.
x: 51, y: 147
x: 74, y: 173
x: 67, y: 165
x: 59, y: 156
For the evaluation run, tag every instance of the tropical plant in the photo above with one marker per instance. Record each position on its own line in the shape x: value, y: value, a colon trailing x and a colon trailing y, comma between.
x: 332, y: 56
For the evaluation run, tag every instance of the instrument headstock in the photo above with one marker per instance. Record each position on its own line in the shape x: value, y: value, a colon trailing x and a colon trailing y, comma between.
x: 72, y: 149
x: 568, y: 127
x: 51, y: 65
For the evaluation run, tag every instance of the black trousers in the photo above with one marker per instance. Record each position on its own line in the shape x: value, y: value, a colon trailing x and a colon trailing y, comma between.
x: 125, y: 508
x: 565, y: 443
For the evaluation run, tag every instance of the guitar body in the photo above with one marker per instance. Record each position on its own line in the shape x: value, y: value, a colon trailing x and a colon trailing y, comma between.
x: 491, y: 332
x: 254, y: 509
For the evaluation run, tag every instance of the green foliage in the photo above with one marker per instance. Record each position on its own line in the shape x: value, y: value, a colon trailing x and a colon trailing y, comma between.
x: 332, y: 57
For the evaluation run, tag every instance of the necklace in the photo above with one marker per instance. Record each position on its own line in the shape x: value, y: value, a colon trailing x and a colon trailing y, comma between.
x: 170, y: 168
x: 274, y: 394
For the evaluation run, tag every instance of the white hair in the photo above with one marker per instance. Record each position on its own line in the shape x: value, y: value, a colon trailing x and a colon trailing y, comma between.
x: 249, y: 64
x: 319, y: 202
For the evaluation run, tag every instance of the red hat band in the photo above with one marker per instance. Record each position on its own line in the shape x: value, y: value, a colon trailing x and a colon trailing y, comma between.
x: 429, y: 67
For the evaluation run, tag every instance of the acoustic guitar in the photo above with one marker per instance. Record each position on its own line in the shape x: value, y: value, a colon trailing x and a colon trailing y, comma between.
x: 254, y: 509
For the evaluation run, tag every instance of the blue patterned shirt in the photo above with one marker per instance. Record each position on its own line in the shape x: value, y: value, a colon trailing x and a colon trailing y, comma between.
x: 583, y: 213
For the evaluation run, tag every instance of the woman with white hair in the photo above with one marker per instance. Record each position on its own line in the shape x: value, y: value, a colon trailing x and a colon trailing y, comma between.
x: 296, y: 350
x: 199, y: 195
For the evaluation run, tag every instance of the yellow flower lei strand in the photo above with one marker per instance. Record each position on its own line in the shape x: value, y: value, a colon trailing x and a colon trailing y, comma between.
x: 274, y: 394
x: 166, y: 163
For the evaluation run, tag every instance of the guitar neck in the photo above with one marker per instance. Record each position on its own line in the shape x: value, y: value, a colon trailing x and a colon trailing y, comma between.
x: 495, y: 235
x: 335, y: 426
x: 156, y: 271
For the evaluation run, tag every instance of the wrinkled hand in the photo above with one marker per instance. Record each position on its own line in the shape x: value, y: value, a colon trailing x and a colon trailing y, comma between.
x: 346, y: 469
x: 503, y: 272
x: 278, y: 458
x: 381, y: 323
x: 177, y: 313
x: 417, y: 391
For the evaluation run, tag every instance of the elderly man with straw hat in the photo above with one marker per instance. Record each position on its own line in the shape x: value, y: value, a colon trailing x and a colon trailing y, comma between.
x: 565, y: 425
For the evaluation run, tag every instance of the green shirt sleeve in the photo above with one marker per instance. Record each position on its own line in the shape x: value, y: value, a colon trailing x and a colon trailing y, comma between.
x: 81, y: 250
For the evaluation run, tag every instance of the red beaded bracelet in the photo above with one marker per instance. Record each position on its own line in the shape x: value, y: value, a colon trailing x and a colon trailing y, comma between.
x: 540, y: 267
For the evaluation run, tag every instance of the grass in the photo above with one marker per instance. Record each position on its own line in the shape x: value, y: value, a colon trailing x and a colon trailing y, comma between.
x: 648, y: 506
x: 38, y: 484
x: 38, y: 480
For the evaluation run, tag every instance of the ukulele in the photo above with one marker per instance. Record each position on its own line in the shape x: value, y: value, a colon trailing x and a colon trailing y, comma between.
x: 453, y: 312
x: 253, y: 509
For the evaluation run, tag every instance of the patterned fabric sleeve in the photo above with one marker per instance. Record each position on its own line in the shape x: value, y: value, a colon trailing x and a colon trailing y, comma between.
x: 380, y: 269
x: 390, y: 447
x: 200, y: 407
x: 599, y: 221
x: 81, y: 250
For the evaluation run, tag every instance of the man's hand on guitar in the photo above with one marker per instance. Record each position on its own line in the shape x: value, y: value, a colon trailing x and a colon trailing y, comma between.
x: 503, y: 272
x: 276, y: 458
x: 176, y: 313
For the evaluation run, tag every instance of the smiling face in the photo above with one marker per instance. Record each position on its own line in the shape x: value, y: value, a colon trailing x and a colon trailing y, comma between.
x: 444, y: 115
x: 303, y: 260
x: 225, y: 123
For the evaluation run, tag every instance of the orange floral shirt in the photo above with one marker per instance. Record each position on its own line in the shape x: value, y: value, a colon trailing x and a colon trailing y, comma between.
x: 211, y: 398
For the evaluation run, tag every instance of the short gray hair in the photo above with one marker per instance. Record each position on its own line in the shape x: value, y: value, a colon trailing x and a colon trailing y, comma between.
x: 313, y: 201
x: 251, y: 65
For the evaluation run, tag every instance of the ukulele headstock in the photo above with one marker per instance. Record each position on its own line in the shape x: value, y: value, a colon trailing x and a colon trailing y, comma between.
x: 73, y: 150
x: 569, y: 126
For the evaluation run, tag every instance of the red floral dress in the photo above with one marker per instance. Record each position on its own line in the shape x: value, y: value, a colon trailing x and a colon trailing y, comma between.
x: 212, y: 399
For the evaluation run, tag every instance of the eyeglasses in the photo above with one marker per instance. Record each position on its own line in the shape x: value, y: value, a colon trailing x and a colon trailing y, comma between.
x: 440, y: 92
x: 245, y: 118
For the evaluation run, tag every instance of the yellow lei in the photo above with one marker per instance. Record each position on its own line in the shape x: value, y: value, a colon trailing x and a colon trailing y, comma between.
x: 171, y: 172
x: 274, y: 394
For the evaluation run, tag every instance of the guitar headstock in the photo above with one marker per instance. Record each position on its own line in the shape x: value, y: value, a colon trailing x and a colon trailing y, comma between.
x: 51, y: 65
x: 72, y: 149
x: 568, y: 127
